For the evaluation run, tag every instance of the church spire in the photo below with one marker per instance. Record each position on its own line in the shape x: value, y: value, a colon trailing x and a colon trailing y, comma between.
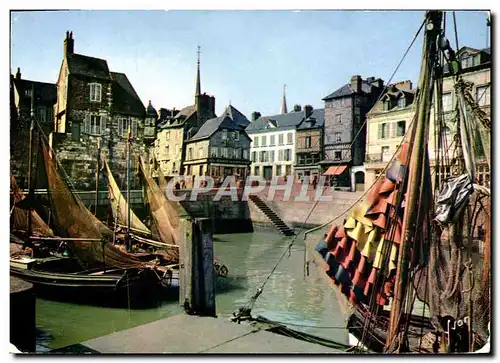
x: 283, y: 104
x: 198, y: 83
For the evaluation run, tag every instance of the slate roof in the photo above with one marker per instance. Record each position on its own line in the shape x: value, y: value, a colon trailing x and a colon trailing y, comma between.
x: 346, y: 90
x: 214, y: 124
x: 285, y: 121
x: 151, y: 111
x: 239, y: 118
x: 186, y: 112
x: 45, y: 93
x: 79, y: 64
x: 319, y: 119
x: 125, y: 99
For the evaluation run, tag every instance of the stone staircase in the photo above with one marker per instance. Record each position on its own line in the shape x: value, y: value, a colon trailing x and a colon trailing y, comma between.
x: 277, y: 221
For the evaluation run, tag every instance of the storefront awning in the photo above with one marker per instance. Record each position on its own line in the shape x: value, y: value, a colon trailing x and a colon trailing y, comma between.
x: 335, y: 170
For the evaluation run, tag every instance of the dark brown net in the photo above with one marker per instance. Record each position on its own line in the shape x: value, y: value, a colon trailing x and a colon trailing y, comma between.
x: 19, y: 215
x: 165, y: 213
x: 72, y: 219
x: 458, y: 272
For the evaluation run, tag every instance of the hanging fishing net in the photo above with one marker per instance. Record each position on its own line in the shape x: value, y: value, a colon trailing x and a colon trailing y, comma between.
x: 119, y: 205
x: 165, y: 214
x: 19, y: 214
x: 72, y: 219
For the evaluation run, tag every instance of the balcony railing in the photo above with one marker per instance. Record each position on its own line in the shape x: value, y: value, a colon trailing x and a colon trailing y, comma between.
x: 378, y: 157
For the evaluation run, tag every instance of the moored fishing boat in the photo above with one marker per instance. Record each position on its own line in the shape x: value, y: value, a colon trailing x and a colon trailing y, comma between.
x: 413, y: 238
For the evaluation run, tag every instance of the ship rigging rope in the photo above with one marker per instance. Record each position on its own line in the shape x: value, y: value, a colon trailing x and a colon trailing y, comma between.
x: 249, y: 304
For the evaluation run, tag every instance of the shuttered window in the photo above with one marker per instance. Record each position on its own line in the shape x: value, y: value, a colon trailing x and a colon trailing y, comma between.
x: 95, y: 92
x: 94, y: 124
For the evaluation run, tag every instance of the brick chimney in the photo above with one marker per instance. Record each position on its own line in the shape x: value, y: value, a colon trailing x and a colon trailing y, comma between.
x: 308, y: 110
x: 356, y: 83
x: 255, y: 116
x: 18, y: 73
x: 69, y: 44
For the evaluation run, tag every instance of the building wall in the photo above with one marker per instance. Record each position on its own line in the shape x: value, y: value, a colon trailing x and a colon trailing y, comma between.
x: 375, y: 159
x: 333, y: 108
x: 196, y: 157
x: 170, y: 163
x: 78, y: 157
x: 301, y: 150
x: 478, y: 78
x: 275, y: 163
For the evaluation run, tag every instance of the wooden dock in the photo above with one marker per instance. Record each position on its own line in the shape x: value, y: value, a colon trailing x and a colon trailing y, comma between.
x: 187, y: 334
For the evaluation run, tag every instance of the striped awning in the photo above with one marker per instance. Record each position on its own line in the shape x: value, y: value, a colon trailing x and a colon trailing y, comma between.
x: 335, y: 170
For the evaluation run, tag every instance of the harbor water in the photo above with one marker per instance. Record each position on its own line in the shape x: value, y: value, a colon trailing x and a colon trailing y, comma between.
x: 306, y: 304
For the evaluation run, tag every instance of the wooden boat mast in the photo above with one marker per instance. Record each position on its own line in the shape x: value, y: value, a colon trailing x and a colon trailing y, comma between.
x: 30, y: 159
x: 97, y: 174
x: 416, y: 173
x: 129, y: 141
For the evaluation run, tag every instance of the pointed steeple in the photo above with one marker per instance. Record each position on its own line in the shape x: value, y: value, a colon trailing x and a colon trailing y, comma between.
x: 283, y: 104
x: 198, y: 83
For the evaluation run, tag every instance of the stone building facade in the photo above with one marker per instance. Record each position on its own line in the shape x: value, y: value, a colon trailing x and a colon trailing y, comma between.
x: 169, y: 146
x: 309, y: 144
x: 95, y: 107
x: 23, y: 95
x: 345, y: 111
x: 387, y: 124
x: 220, y: 148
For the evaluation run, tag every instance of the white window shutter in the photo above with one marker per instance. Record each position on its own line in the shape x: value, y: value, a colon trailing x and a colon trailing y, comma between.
x: 103, y: 124
x: 120, y: 127
x: 380, y: 131
x: 87, y: 124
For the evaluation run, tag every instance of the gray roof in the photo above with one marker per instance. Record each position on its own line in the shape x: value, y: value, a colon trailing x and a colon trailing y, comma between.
x: 125, y: 99
x: 151, y: 111
x: 186, y: 111
x: 45, y: 93
x: 285, y: 121
x: 214, y: 124
x: 318, y: 118
x: 239, y: 118
x: 346, y: 90
x: 88, y: 66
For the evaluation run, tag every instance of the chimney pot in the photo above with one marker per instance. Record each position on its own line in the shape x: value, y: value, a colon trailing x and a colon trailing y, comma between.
x: 18, y: 73
x: 69, y: 44
x: 356, y: 83
x: 255, y: 115
x: 308, y: 109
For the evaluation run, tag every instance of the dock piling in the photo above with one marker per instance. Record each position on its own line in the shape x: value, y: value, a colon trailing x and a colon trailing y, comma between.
x: 197, y: 277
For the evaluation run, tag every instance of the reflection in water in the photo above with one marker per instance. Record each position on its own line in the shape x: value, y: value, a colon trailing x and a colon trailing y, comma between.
x: 287, y: 296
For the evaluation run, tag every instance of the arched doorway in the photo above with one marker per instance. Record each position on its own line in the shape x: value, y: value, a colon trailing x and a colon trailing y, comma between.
x: 359, y: 181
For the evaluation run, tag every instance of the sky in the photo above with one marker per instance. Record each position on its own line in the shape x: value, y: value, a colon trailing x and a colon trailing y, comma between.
x: 246, y: 56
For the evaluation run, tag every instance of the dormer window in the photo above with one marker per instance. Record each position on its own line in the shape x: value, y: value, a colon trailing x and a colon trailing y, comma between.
x: 95, y: 92
x: 402, y: 102
x: 387, y: 104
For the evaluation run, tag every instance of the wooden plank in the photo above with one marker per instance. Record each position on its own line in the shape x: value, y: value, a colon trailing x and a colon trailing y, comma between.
x: 185, y: 261
x: 206, y: 267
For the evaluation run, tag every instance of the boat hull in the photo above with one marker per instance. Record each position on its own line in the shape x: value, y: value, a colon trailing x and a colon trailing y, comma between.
x: 117, y: 287
x: 374, y: 338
